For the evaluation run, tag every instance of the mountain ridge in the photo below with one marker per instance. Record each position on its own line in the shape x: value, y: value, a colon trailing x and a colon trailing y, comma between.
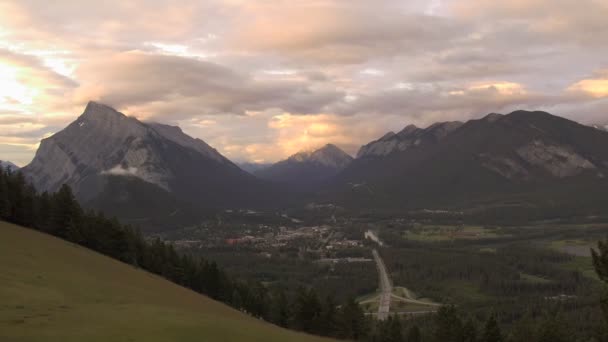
x: 307, y: 168
x: 497, y: 156
x: 103, y: 148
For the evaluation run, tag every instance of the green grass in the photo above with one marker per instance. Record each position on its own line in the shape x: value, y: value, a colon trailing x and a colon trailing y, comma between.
x: 575, y: 247
x: 51, y: 290
x: 584, y: 265
x: 431, y: 233
x: 530, y: 278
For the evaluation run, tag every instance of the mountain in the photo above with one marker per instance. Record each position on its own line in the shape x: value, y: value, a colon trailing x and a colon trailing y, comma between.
x: 53, y: 290
x: 529, y: 157
x: 253, y: 167
x: 410, y: 137
x: 7, y: 164
x: 308, y: 168
x: 136, y: 170
x: 600, y: 127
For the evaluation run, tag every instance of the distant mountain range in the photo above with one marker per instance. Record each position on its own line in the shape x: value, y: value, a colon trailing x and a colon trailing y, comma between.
x: 143, y: 172
x: 307, y: 169
x: 134, y: 169
x: 7, y: 164
x: 529, y: 157
x: 253, y: 167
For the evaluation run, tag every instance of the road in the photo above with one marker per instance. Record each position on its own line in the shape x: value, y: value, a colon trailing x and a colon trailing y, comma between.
x: 372, y: 236
x: 386, y: 287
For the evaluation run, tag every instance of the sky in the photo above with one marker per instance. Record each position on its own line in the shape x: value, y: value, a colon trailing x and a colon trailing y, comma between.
x: 261, y: 80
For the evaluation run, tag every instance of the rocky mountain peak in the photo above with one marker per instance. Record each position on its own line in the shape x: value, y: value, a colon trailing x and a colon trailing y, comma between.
x: 410, y: 137
x: 409, y: 129
x: 308, y: 168
x: 103, y: 141
x: 331, y: 155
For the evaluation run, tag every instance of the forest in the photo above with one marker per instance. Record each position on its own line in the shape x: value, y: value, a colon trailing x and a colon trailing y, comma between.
x: 302, y: 308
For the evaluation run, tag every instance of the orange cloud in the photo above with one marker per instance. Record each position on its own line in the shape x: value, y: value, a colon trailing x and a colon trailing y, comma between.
x: 595, y: 87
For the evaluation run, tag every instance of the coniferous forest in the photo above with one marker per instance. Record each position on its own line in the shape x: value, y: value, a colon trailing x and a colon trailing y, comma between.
x: 59, y: 214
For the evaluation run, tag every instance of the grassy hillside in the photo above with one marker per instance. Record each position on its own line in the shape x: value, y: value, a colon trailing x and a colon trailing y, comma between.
x: 51, y: 290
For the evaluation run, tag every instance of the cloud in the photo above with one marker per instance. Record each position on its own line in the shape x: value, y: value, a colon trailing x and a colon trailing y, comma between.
x: 259, y: 79
x: 176, y: 87
x: 118, y: 170
x: 338, y: 31
x: 596, y: 87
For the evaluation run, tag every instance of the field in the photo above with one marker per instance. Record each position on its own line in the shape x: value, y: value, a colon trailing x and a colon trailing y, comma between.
x: 56, y: 291
x: 422, y: 232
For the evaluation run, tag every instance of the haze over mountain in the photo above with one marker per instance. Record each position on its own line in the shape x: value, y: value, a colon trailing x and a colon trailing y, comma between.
x: 307, y: 168
x: 120, y: 164
x: 253, y: 167
x: 602, y: 127
x: 496, y: 157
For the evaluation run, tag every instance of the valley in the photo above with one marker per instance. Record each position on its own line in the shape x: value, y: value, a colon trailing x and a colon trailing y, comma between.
x: 431, y: 258
x: 325, y: 170
x: 407, y: 230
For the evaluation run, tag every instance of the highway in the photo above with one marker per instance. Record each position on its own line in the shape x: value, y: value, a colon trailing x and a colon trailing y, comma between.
x: 386, y: 288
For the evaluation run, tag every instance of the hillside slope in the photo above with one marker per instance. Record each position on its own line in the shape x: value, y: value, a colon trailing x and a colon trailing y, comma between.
x: 56, y: 291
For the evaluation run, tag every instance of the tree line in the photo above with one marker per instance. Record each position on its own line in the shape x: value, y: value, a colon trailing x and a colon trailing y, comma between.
x: 302, y: 309
x: 61, y: 215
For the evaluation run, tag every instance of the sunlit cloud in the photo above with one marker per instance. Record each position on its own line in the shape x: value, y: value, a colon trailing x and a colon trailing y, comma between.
x: 259, y: 80
x: 596, y: 87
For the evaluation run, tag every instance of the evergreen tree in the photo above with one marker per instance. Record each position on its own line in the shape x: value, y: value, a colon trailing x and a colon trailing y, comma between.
x: 281, y: 312
x: 329, y: 317
x: 449, y: 325
x: 5, y: 207
x: 307, y: 310
x: 469, y: 331
x: 551, y: 330
x: 600, y: 263
x: 394, y: 330
x: 413, y: 334
x: 65, y: 209
x: 352, y: 321
x: 492, y: 331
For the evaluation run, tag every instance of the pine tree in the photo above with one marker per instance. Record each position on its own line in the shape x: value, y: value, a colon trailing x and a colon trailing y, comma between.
x: 414, y: 335
x: 492, y: 331
x: 5, y: 208
x: 551, y: 330
x: 307, y: 310
x: 449, y: 325
x: 469, y: 331
x: 394, y: 330
x: 65, y: 209
x: 281, y: 312
x: 600, y: 263
x: 329, y: 317
x: 352, y: 321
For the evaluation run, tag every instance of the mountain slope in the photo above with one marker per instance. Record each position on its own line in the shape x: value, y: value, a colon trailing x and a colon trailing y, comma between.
x: 410, y: 137
x: 4, y: 164
x: 490, y: 159
x: 253, y: 167
x: 103, y: 147
x: 305, y: 169
x: 56, y: 291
